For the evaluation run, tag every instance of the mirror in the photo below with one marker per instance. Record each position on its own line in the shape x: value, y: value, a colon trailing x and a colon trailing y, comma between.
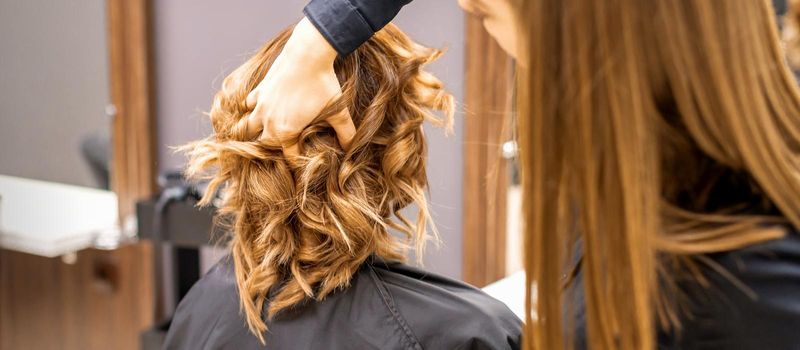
x: 55, y: 125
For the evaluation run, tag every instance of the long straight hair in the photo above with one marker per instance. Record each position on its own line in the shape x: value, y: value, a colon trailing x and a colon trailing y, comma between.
x: 633, y: 117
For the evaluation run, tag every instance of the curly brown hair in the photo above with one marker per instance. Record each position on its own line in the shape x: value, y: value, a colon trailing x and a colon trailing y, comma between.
x: 301, y: 227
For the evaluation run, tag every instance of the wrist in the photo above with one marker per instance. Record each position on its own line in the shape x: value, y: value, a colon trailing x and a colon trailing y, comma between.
x: 308, y: 46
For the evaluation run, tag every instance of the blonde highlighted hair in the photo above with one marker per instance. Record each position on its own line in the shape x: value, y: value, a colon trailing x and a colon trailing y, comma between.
x: 301, y: 227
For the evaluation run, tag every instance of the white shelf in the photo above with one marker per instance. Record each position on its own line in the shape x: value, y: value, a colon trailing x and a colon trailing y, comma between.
x: 52, y: 219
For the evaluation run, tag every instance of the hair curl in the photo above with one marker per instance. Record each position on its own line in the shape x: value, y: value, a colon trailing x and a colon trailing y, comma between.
x: 301, y: 227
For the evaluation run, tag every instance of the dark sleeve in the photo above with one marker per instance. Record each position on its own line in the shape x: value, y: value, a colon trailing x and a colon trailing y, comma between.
x: 347, y: 24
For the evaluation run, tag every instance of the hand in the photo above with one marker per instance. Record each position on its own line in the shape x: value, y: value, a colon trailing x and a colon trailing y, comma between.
x: 297, y: 87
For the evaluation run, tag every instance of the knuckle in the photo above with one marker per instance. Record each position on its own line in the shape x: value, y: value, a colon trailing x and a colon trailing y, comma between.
x: 283, y: 129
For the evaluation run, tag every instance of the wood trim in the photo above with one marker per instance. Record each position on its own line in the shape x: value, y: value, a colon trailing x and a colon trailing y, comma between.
x: 488, y: 78
x: 134, y: 166
x: 134, y: 161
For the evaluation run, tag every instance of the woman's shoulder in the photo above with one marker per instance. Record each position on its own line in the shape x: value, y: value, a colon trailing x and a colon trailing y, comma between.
x: 388, y: 305
x: 445, y: 313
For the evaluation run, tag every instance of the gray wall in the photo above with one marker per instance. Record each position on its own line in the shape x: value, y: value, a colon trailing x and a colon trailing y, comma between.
x: 54, y: 86
x: 441, y: 24
x: 198, y: 42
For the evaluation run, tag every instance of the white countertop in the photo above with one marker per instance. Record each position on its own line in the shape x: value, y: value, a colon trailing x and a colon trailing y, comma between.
x: 511, y: 291
x: 52, y: 219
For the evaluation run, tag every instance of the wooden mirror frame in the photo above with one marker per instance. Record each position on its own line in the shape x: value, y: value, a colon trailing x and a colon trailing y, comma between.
x: 487, y: 85
x: 134, y: 162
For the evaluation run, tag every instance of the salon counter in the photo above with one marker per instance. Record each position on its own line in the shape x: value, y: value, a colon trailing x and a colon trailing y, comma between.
x: 52, y: 219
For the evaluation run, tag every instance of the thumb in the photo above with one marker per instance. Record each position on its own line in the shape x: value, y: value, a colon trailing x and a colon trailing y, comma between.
x: 342, y: 124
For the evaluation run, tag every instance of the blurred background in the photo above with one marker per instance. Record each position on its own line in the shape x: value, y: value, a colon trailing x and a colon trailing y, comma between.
x: 99, y: 235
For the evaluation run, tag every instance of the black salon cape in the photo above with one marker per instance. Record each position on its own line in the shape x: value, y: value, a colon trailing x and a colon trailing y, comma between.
x: 388, y: 306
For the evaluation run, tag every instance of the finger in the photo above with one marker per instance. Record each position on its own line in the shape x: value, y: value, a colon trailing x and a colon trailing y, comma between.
x: 288, y: 141
x: 246, y: 128
x: 342, y: 124
x: 292, y: 150
x: 254, y: 123
x: 268, y: 135
x: 275, y: 135
x: 252, y: 100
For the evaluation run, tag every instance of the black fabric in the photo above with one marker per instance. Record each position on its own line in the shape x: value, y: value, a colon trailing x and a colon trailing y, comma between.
x: 388, y: 306
x: 347, y: 24
x: 756, y: 306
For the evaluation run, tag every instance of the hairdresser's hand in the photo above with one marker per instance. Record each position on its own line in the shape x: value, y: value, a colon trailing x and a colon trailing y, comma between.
x: 296, y: 88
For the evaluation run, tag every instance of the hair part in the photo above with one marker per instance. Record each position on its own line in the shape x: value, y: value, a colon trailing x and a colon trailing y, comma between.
x: 302, y: 227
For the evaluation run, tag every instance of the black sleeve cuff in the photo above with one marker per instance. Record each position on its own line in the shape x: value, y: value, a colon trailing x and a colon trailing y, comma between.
x: 340, y: 23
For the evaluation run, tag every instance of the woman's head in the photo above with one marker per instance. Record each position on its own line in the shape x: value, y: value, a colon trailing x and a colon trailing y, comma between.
x: 653, y: 131
x: 499, y: 19
x: 301, y: 227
